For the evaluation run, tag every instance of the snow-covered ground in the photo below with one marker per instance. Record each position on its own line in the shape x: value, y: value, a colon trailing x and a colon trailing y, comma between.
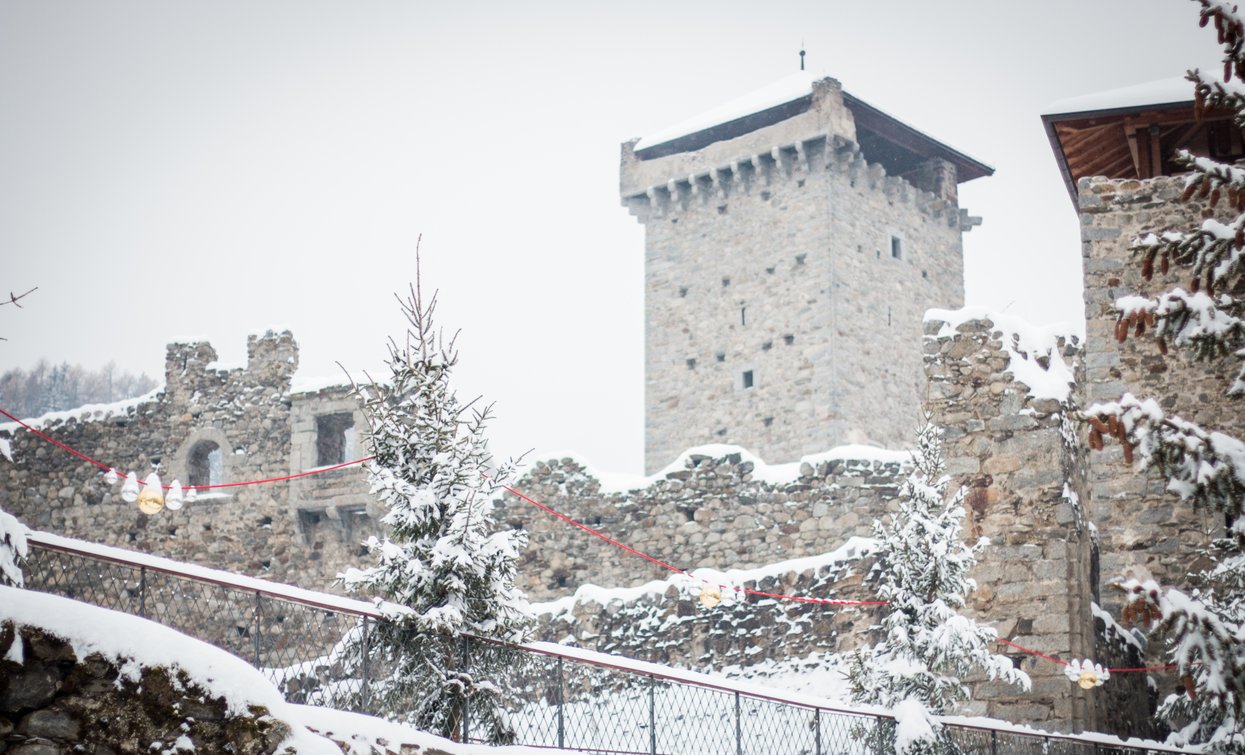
x: 135, y: 643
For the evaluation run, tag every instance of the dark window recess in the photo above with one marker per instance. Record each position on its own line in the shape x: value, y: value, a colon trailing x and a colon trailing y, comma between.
x: 765, y: 196
x: 925, y: 274
x: 743, y: 315
x: 770, y: 270
x: 888, y: 315
x: 309, y: 521
x: 768, y: 421
x: 878, y: 253
x: 726, y: 282
x: 690, y: 514
x: 334, y: 434
x: 721, y: 209
x: 767, y: 346
x: 896, y: 247
x: 721, y: 356
x: 788, y: 339
x: 721, y: 432
x: 799, y: 259
x: 745, y: 380
x: 800, y: 183
x: 206, y: 464
x: 682, y: 291
x: 354, y: 521
x: 674, y: 220
x: 691, y: 364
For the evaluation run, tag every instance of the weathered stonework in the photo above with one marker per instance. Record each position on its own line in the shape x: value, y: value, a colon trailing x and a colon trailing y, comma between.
x: 786, y: 276
x: 1146, y: 532
x: 255, y: 428
x: 711, y: 514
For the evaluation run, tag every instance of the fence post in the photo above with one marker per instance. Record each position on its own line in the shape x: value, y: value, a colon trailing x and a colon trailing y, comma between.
x: 561, y: 704
x: 652, y: 715
x: 466, y: 650
x: 255, y: 638
x: 365, y: 694
x: 994, y: 742
x: 817, y: 731
x: 142, y: 592
x: 739, y: 729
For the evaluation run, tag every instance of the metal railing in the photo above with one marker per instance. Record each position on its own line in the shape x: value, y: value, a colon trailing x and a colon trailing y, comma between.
x: 555, y: 697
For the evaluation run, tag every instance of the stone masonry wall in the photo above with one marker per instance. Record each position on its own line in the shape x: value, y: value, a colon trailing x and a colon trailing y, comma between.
x: 256, y: 530
x: 712, y: 514
x: 1021, y: 462
x: 777, y: 314
x: 1146, y: 532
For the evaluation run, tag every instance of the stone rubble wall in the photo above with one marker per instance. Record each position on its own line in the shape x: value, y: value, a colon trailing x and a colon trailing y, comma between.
x: 711, y: 514
x: 1023, y: 470
x: 54, y: 702
x: 1146, y: 532
x: 255, y: 530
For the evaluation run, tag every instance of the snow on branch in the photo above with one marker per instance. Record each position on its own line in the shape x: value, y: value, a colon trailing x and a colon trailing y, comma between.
x: 1207, y: 468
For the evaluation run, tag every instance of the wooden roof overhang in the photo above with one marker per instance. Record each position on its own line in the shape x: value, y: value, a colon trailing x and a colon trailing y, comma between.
x: 1135, y: 142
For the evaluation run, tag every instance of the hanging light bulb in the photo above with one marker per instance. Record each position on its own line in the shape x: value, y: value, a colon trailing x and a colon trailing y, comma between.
x: 192, y: 495
x: 173, y: 500
x: 129, y: 491
x: 111, y: 478
x: 710, y: 596
x: 151, y: 498
x: 1086, y: 673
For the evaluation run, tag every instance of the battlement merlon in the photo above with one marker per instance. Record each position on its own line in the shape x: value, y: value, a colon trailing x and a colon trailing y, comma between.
x: 814, y: 110
x: 272, y: 360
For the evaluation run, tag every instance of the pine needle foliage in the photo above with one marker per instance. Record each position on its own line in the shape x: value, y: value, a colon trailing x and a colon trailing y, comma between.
x: 928, y: 648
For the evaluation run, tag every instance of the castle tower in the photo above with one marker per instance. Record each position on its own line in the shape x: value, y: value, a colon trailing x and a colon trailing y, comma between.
x: 793, y: 240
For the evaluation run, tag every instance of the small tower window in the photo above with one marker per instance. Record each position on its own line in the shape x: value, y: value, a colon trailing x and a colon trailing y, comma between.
x: 743, y: 315
x: 896, y: 247
x: 335, y: 438
x: 746, y: 380
x: 205, y: 465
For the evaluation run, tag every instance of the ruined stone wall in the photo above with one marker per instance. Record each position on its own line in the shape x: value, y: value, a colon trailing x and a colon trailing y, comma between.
x: 247, y: 413
x: 1146, y: 532
x: 784, y: 290
x: 1023, y: 466
x: 713, y: 513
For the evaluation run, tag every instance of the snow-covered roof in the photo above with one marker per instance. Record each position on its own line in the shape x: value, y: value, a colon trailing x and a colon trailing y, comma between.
x: 780, y: 92
x: 1169, y: 91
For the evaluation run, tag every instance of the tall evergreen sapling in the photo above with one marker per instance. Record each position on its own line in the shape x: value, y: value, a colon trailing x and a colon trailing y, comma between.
x: 440, y: 561
x: 928, y: 648
x: 1204, y: 628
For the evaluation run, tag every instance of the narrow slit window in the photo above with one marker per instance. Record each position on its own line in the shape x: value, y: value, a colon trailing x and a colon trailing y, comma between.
x: 746, y: 379
x: 743, y: 315
x: 896, y: 247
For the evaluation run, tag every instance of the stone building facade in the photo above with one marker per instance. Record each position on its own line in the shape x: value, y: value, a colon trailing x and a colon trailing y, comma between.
x: 1146, y: 532
x: 789, y: 257
x: 208, y: 426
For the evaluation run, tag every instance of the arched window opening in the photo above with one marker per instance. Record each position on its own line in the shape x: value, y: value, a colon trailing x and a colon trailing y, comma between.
x: 206, y: 464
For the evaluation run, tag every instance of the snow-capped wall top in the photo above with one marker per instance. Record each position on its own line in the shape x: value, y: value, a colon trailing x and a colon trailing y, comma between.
x: 775, y: 474
x: 780, y: 92
x: 1025, y: 344
x: 84, y: 412
x: 1162, y: 92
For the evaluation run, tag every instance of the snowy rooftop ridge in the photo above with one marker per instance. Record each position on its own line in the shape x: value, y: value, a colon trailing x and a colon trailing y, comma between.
x: 85, y: 412
x: 774, y: 474
x: 780, y: 92
x: 1024, y: 343
x: 1168, y: 91
x: 854, y: 548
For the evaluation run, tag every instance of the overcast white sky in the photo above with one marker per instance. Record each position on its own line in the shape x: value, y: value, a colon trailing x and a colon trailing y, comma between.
x: 173, y: 169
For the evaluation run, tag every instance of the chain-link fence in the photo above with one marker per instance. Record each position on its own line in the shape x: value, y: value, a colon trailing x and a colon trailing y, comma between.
x: 552, y: 699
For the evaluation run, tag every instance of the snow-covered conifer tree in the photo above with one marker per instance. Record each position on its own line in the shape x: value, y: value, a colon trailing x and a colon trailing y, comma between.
x: 440, y: 560
x: 12, y: 549
x: 1205, y: 627
x: 927, y: 648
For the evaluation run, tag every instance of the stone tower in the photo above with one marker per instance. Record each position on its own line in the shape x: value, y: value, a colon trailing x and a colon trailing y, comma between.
x: 793, y: 241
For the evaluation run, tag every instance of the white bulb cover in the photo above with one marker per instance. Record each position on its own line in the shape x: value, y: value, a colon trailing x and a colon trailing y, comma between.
x: 112, y: 477
x: 129, y: 491
x: 173, y: 499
